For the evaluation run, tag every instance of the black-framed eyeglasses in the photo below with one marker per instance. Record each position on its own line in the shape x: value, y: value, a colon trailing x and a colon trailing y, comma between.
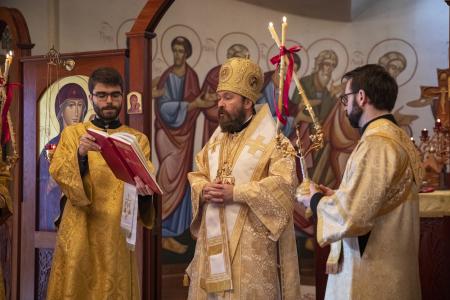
x: 103, y: 96
x: 344, y: 98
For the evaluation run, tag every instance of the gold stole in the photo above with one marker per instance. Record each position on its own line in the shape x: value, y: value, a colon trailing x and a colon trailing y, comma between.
x: 224, y: 223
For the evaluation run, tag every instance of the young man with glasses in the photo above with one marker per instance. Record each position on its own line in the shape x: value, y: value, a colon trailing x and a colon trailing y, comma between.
x: 91, y: 259
x: 372, y: 219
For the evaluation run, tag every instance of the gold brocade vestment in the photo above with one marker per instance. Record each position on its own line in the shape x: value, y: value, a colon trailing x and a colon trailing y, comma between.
x: 258, y: 234
x: 378, y: 194
x: 91, y: 259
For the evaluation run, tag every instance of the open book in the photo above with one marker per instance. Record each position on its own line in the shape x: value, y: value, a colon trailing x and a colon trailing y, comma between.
x: 124, y: 156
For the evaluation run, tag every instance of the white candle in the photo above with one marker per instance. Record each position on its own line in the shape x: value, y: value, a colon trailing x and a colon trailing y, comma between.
x: 274, y: 34
x: 8, y: 61
x: 283, y: 31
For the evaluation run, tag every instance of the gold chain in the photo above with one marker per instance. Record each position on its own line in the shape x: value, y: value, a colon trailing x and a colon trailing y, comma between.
x: 228, y: 149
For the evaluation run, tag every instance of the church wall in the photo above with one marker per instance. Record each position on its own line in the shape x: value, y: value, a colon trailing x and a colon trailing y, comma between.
x: 98, y: 25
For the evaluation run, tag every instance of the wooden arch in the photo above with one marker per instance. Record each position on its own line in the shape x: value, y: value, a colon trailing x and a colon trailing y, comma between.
x: 12, y: 19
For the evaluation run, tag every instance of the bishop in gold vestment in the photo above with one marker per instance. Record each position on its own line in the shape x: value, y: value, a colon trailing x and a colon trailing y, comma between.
x: 372, y: 219
x: 91, y: 259
x: 245, y: 247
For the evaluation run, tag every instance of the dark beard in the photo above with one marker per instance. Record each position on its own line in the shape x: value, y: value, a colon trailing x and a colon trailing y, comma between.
x: 228, y: 124
x: 355, y: 115
x: 101, y: 115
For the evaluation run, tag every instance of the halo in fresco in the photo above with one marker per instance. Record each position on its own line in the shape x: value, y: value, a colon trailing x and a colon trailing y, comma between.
x: 330, y: 44
x: 121, y: 37
x: 232, y: 38
x: 396, y: 45
x: 46, y: 105
x: 303, y: 53
x: 187, y: 32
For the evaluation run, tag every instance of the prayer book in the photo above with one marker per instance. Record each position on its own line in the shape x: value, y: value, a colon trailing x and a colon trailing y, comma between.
x: 125, y: 158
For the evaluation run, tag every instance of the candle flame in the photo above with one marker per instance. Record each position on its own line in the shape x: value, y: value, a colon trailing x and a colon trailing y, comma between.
x: 284, y: 19
x: 438, y: 120
x: 270, y: 24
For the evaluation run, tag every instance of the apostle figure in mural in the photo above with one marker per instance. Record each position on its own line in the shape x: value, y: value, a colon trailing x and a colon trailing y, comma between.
x: 372, y: 222
x: 176, y: 112
x: 70, y: 108
x: 270, y: 92
x: 394, y: 62
x: 92, y: 259
x: 208, y: 92
x: 322, y: 93
x: 243, y: 199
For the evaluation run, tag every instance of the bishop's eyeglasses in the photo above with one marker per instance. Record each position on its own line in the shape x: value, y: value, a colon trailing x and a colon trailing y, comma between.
x: 103, y: 96
x: 344, y: 98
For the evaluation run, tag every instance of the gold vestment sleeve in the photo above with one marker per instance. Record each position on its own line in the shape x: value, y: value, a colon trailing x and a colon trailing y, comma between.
x: 65, y: 170
x: 271, y: 199
x: 198, y: 179
x: 372, y: 172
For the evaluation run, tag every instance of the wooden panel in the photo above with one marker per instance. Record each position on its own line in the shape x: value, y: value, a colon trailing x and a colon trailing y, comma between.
x: 434, y: 259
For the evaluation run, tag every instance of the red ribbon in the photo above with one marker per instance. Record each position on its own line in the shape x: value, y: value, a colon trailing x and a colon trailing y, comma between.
x: 6, y: 134
x: 276, y: 60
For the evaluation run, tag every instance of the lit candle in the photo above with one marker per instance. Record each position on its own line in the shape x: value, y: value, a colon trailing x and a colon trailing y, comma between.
x: 274, y: 34
x: 438, y: 124
x: 424, y: 133
x: 283, y: 31
x: 8, y: 61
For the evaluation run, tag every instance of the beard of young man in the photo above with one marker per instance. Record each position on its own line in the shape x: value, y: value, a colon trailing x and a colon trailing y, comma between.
x: 108, y: 113
x: 355, y: 115
x: 231, y: 122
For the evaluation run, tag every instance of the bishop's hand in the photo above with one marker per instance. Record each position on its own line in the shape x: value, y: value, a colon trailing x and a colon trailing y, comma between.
x: 217, y: 193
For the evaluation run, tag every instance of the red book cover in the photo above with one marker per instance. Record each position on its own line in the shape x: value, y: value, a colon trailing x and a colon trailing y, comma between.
x: 125, y: 159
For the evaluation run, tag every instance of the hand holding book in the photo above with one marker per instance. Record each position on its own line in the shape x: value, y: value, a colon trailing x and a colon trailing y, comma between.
x: 87, y: 143
x: 125, y: 158
x: 141, y: 188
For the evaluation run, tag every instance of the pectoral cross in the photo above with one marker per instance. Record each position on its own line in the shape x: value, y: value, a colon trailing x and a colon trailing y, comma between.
x: 224, y: 175
x: 440, y: 95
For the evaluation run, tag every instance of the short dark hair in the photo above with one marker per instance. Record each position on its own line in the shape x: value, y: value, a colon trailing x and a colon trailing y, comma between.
x: 107, y: 76
x: 182, y: 41
x: 380, y: 87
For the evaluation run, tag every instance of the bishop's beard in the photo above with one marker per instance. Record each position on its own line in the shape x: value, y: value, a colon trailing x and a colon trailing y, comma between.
x: 228, y: 123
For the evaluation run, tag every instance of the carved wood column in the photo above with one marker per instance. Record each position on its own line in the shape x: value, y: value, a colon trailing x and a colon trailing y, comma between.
x: 139, y: 76
x: 12, y: 19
